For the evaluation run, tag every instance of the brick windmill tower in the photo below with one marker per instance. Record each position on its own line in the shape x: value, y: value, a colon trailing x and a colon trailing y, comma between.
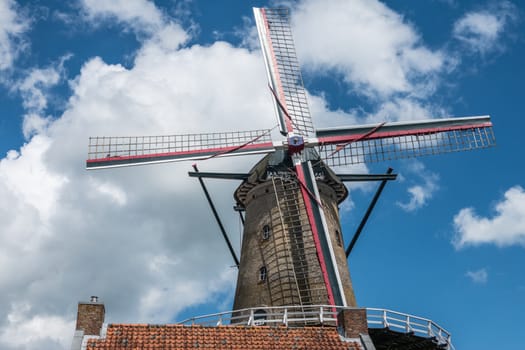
x: 293, y: 260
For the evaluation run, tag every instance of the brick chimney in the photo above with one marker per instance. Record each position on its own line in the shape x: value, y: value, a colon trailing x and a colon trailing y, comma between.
x: 90, y: 316
x: 352, y: 322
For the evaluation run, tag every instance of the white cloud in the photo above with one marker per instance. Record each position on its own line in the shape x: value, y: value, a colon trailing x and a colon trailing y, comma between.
x: 147, y: 21
x: 111, y: 190
x: 38, y: 331
x: 33, y: 124
x: 479, y: 276
x: 140, y: 12
x: 34, y: 91
x: 420, y: 194
x: 478, y: 30
x: 481, y: 30
x: 159, y: 302
x: 12, y: 26
x: 404, y: 109
x: 373, y: 47
x: 323, y: 117
x: 33, y: 87
x: 506, y: 227
x: 26, y: 176
x: 141, y: 15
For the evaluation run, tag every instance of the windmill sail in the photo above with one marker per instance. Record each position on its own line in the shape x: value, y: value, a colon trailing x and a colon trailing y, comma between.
x: 374, y: 143
x: 293, y: 114
x: 109, y: 152
x: 283, y: 71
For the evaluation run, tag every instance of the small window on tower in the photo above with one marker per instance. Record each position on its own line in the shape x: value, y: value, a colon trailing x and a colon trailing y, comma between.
x: 262, y: 274
x: 266, y: 231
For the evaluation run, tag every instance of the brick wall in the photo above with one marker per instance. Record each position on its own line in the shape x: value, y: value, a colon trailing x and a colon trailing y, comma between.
x: 90, y: 317
x: 353, y: 322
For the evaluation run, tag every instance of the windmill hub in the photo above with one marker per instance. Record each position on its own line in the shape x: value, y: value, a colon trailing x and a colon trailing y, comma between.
x: 295, y: 144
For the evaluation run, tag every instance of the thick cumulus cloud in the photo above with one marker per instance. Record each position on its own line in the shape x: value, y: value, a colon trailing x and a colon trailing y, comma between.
x: 506, y: 227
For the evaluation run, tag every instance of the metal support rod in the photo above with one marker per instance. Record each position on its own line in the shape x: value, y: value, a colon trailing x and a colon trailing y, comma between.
x: 223, y: 231
x: 365, y: 177
x: 227, y: 176
x: 367, y: 214
x: 242, y: 218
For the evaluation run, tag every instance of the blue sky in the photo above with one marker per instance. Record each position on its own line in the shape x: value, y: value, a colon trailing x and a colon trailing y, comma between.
x: 446, y: 240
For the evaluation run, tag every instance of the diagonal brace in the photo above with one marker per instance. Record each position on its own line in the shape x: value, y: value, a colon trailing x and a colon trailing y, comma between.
x: 367, y: 214
x: 216, y: 215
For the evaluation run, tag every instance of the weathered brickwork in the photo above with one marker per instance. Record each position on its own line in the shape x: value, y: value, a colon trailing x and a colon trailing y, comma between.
x: 353, y: 322
x: 90, y: 317
x: 294, y: 275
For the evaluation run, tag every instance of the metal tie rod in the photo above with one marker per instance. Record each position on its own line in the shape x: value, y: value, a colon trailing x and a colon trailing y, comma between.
x: 223, y: 231
x: 367, y: 214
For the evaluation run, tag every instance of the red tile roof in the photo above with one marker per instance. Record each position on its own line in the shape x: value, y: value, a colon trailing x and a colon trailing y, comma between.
x: 175, y: 337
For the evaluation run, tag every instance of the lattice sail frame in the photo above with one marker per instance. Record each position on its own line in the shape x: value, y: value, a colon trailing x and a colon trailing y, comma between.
x: 432, y: 137
x: 123, y: 150
x: 284, y: 72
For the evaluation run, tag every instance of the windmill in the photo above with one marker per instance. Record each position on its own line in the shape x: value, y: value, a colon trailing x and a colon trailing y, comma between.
x: 292, y: 252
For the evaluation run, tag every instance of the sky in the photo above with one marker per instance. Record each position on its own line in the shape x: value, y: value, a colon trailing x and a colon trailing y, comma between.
x: 445, y: 242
